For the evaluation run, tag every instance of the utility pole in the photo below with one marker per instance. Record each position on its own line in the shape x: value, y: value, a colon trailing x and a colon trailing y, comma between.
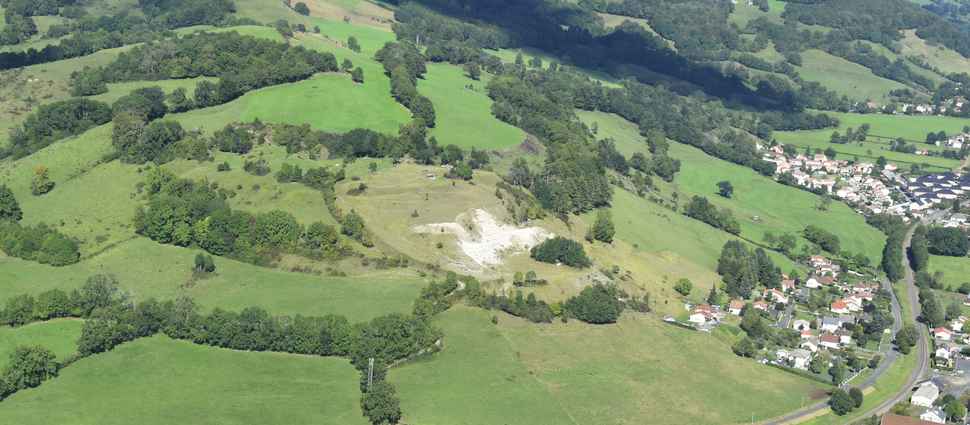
x: 370, y: 373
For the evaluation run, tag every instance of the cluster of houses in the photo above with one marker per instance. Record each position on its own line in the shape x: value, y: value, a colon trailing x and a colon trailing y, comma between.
x: 948, y: 341
x: 852, y: 182
x: 884, y: 191
x: 932, y: 189
x: 955, y: 142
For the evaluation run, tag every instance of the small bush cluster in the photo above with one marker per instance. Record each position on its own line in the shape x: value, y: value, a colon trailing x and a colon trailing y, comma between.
x: 561, y: 250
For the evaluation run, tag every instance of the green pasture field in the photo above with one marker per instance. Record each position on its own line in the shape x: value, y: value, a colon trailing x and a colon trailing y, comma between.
x: 909, y: 127
x: 779, y: 208
x: 944, y: 59
x: 642, y: 371
x: 464, y: 116
x: 23, y: 89
x: 625, y: 134
x: 158, y: 380
x: 59, y: 336
x: 667, y: 246
x: 147, y: 269
x: 956, y: 270
x: 844, y: 77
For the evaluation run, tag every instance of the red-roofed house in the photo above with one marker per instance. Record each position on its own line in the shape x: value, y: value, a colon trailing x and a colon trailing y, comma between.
x: 830, y: 341
x: 839, y: 307
x: 761, y: 305
x: 943, y: 333
x: 735, y: 307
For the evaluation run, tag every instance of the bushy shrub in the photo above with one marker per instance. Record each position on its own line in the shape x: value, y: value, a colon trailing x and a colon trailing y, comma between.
x: 561, y: 250
x: 596, y: 304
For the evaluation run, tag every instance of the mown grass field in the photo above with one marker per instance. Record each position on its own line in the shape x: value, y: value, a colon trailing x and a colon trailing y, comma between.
x: 844, y: 77
x: 464, y: 116
x: 59, y: 336
x: 911, y: 128
x: 640, y: 371
x: 161, y: 381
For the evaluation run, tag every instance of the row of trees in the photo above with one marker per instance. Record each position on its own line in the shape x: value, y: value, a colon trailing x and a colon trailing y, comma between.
x: 828, y: 241
x: 701, y: 209
x: 53, y: 122
x: 112, y: 319
x: 404, y: 64
x: 86, y: 34
x: 243, y: 63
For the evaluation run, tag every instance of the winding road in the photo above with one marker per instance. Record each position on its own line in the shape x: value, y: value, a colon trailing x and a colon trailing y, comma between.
x: 923, y: 345
x: 889, y: 355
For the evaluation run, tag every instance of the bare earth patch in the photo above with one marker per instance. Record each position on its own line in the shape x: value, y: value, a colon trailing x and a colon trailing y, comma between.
x: 484, y: 239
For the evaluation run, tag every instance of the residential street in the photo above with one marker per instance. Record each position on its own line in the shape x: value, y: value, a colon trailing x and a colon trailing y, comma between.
x: 889, y: 355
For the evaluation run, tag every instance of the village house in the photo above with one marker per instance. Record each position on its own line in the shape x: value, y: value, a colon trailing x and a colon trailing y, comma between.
x: 801, y: 358
x: 893, y: 419
x: 800, y: 324
x: 830, y: 341
x: 788, y: 285
x: 702, y: 314
x: 942, y: 334
x: 775, y: 295
x: 760, y: 305
x: 735, y: 307
x: 833, y: 324
x: 934, y: 415
x: 925, y: 395
x: 840, y: 307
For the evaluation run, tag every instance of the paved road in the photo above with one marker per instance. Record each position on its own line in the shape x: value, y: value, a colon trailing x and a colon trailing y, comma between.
x: 923, y: 349
x: 889, y: 355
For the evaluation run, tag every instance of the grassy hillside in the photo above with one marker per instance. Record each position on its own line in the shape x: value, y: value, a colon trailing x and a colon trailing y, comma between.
x: 844, y: 77
x: 464, y: 115
x: 946, y: 60
x: 147, y: 269
x: 60, y: 336
x: 956, y: 270
x: 779, y: 209
x: 160, y: 381
x: 519, y: 373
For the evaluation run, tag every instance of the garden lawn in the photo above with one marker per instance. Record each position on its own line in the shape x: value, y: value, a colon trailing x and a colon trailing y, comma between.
x: 464, y: 116
x: 162, y: 381
x: 147, y: 269
x: 59, y: 336
x: 641, y: 371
